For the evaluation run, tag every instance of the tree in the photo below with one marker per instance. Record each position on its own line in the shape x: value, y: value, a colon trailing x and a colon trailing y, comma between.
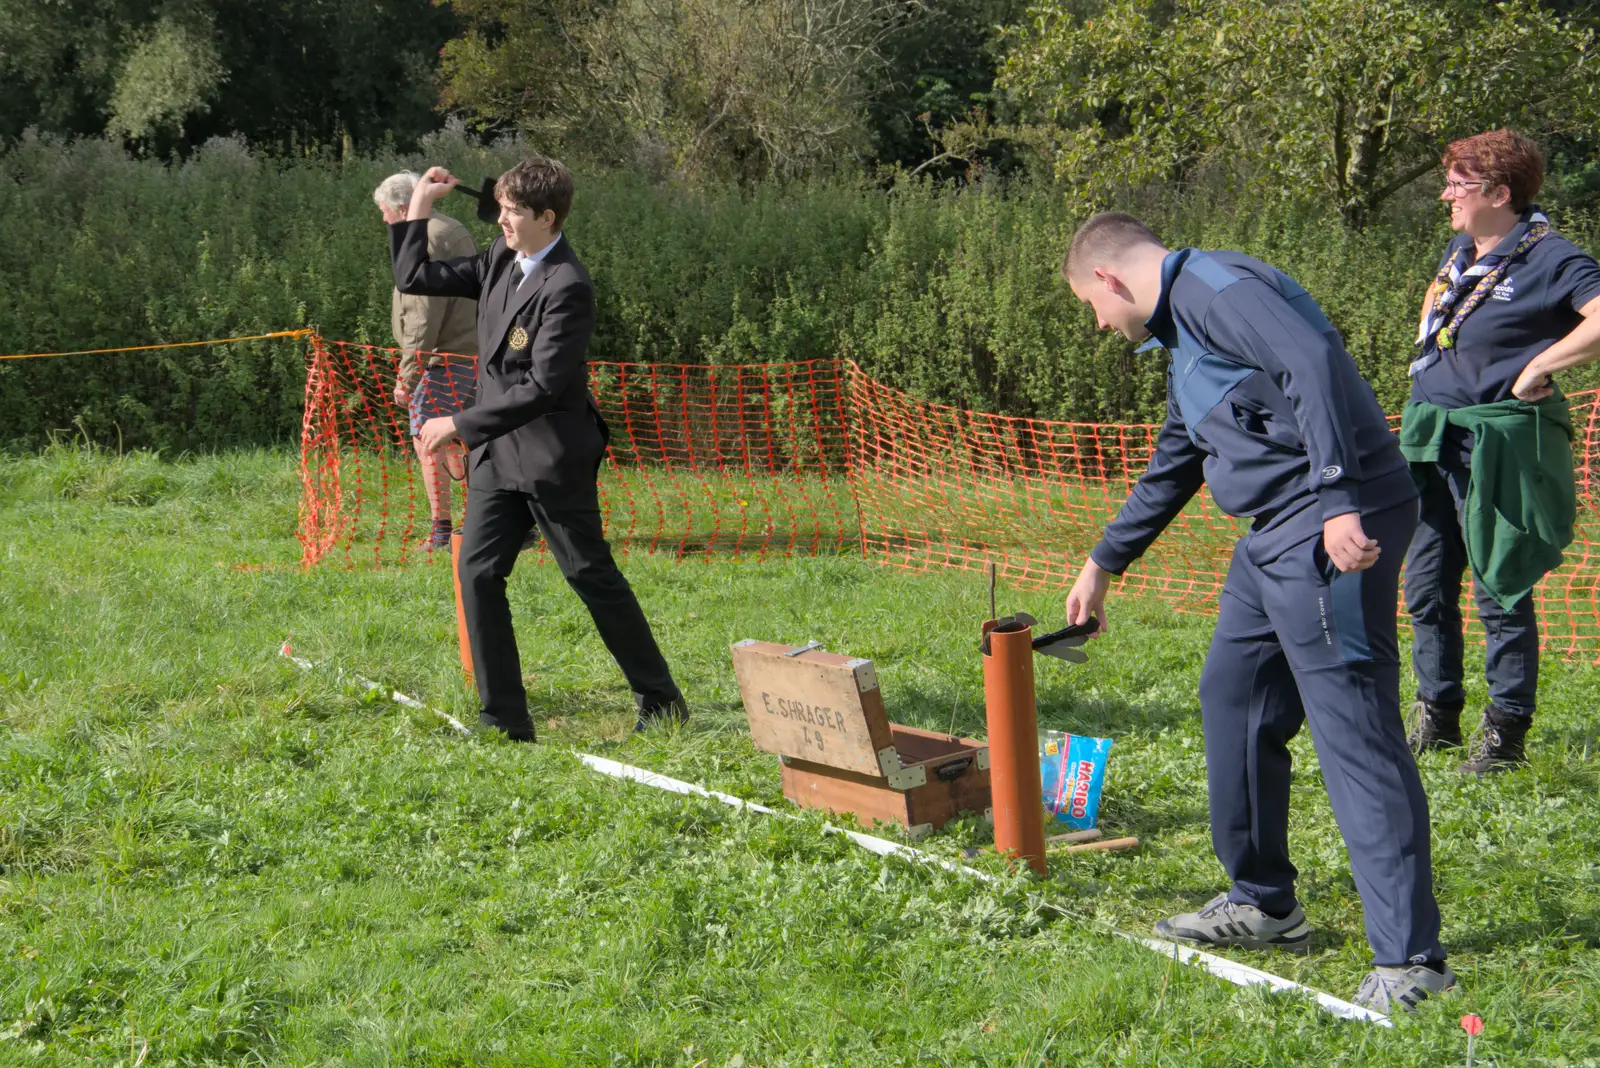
x: 170, y: 73
x: 1348, y: 99
x: 702, y: 88
x: 59, y: 60
x: 173, y: 73
x: 940, y: 66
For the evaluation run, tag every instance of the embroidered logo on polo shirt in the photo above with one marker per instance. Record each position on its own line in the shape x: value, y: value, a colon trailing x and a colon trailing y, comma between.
x: 518, y: 340
x: 1505, y: 290
x: 1332, y: 473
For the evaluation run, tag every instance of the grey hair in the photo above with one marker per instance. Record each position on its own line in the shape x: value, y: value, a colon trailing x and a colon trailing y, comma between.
x: 395, y: 191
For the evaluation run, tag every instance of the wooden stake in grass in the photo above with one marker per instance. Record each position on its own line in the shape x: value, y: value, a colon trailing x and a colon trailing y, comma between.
x: 991, y: 591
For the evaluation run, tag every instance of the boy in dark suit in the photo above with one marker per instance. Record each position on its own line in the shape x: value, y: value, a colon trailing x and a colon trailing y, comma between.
x: 535, y: 435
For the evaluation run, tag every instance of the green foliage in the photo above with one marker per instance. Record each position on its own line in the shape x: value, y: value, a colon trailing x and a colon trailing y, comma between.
x: 209, y: 857
x: 170, y: 74
x: 950, y: 293
x: 696, y: 88
x: 939, y: 67
x: 725, y: 89
x: 59, y: 61
x: 175, y: 73
x: 1345, y: 99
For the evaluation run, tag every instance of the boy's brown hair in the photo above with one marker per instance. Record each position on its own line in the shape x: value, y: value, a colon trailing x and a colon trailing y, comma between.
x: 538, y: 184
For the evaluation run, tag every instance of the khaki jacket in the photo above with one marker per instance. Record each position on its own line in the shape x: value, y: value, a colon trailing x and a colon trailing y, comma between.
x: 435, y: 324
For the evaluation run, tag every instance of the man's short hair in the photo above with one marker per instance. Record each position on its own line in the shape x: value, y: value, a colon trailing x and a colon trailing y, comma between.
x: 1500, y: 157
x: 395, y: 191
x: 538, y: 184
x: 1104, y: 239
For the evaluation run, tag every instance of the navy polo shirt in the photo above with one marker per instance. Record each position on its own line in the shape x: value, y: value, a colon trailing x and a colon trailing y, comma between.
x: 1534, y: 306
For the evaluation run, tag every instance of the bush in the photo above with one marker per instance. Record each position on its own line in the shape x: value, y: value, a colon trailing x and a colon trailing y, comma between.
x: 952, y: 295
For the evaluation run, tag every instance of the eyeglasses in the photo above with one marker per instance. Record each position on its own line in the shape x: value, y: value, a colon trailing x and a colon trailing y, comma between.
x: 1459, y: 187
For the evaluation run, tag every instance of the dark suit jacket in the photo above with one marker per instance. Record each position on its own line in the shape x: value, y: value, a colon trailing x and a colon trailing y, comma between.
x: 533, y: 425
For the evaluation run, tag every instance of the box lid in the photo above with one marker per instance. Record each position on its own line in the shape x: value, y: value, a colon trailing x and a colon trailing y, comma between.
x: 815, y: 705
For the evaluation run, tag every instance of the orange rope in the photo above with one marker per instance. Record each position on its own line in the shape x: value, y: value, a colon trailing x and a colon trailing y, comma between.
x: 146, y: 348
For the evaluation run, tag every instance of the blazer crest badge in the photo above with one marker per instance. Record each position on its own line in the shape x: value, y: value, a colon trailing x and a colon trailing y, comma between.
x: 519, y: 339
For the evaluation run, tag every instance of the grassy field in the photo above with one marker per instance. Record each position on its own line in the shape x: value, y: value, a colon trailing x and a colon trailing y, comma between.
x: 208, y: 856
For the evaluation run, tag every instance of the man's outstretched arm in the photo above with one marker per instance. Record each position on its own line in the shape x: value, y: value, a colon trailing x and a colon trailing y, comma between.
x: 1175, y: 474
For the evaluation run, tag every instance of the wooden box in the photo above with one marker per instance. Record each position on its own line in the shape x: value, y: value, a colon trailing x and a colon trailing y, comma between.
x: 822, y: 713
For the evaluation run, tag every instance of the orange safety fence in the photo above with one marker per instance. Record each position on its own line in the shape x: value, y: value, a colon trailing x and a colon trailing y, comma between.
x: 816, y: 457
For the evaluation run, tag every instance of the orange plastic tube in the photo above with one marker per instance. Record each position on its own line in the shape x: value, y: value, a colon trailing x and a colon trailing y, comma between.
x: 1014, y: 744
x: 461, y: 615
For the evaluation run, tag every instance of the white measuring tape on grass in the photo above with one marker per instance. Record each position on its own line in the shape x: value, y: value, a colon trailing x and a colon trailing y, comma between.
x: 1232, y: 971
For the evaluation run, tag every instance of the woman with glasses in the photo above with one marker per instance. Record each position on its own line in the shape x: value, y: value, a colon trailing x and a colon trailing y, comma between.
x: 1489, y: 439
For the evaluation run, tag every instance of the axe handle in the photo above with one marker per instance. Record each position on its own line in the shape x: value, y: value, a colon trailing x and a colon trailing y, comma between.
x: 1073, y: 837
x: 1107, y: 846
x: 1077, y: 630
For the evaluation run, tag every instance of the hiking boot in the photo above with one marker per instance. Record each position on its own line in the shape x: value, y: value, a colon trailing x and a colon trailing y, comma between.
x: 1225, y: 923
x: 1391, y: 990
x: 1434, y: 726
x: 673, y: 712
x: 1499, y: 745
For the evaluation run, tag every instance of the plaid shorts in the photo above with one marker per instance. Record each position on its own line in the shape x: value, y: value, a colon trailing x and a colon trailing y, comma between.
x: 443, y: 390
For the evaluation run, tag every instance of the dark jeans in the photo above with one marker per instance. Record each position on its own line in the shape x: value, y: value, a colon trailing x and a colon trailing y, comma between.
x: 497, y: 523
x: 1298, y: 641
x: 1434, y: 566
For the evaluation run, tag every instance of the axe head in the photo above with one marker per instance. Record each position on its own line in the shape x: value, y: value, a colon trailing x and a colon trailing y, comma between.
x: 488, y: 206
x: 1064, y: 644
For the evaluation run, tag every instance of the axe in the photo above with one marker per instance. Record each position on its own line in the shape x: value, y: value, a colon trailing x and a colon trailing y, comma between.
x: 1063, y: 644
x: 488, y: 206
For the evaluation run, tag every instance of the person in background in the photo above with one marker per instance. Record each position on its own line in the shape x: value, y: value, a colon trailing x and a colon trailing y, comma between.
x: 428, y: 384
x: 1489, y: 440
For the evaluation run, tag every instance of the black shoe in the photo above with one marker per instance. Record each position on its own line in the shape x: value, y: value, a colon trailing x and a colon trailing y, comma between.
x: 674, y: 712
x: 516, y: 732
x: 531, y: 541
x: 1499, y: 745
x: 1434, y: 726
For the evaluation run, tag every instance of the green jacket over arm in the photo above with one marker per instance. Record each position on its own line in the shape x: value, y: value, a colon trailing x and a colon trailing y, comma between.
x: 1521, y: 500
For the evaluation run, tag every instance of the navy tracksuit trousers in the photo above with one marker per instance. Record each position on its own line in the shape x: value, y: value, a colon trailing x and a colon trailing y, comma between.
x: 1298, y: 641
x: 1433, y: 597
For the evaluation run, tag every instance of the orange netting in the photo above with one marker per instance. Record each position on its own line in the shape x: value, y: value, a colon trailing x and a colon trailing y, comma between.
x: 804, y: 458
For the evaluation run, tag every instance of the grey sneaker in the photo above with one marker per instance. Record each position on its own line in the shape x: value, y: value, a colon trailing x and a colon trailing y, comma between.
x: 1224, y: 923
x: 1391, y: 990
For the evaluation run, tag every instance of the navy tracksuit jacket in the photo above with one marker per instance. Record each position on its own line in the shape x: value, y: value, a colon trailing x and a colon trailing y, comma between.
x: 1267, y: 408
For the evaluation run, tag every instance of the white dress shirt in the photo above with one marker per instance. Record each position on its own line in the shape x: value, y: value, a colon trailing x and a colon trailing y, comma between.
x: 528, y: 261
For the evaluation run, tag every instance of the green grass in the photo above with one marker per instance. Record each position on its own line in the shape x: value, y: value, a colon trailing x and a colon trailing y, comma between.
x: 208, y: 856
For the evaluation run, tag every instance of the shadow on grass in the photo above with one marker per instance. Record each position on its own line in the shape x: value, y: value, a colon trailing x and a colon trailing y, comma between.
x: 1553, y: 922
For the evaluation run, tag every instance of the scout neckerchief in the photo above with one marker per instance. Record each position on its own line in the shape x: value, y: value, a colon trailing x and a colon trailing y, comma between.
x: 1462, y: 285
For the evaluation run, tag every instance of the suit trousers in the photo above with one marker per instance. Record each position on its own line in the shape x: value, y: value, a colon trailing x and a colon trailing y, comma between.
x: 497, y: 522
x: 1298, y: 641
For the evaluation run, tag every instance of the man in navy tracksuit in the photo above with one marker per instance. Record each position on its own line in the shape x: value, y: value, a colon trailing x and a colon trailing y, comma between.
x: 1265, y: 406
